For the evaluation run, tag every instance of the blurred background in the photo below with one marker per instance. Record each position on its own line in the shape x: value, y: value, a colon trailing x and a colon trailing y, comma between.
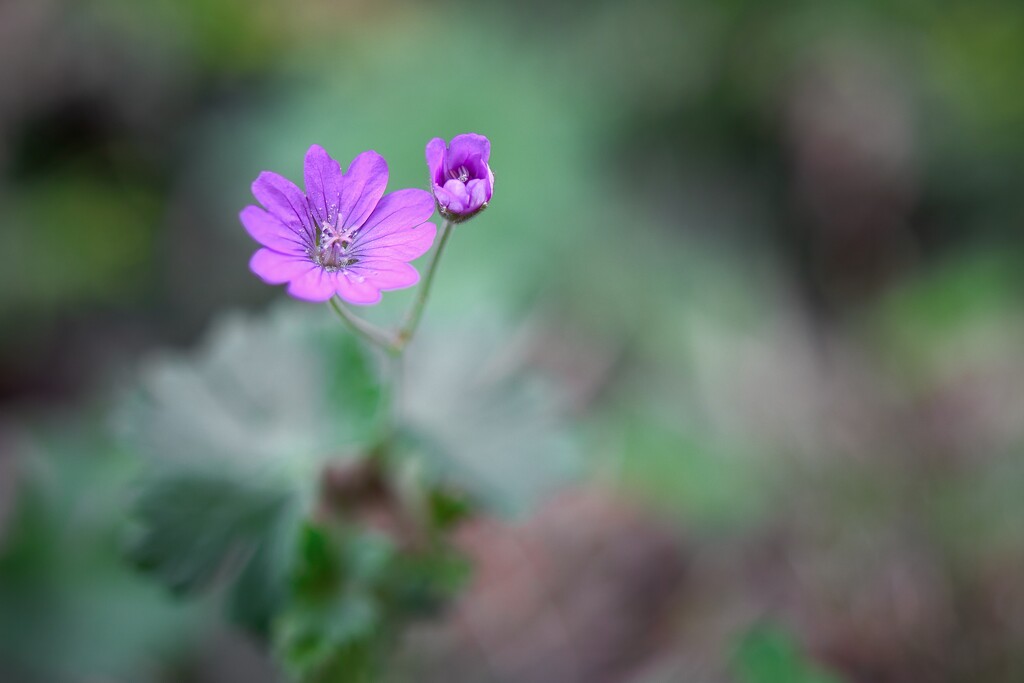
x: 763, y: 263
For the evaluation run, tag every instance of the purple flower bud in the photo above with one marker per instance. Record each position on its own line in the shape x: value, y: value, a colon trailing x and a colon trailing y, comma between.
x: 459, y: 175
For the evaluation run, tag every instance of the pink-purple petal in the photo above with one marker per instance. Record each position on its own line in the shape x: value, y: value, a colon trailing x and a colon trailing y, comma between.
x: 478, y: 193
x: 435, y: 152
x: 362, y: 187
x: 356, y: 289
x: 468, y: 146
x: 276, y: 268
x: 269, y: 231
x: 315, y: 285
x: 281, y: 198
x: 404, y: 244
x: 443, y: 197
x: 323, y: 184
x: 478, y: 168
x: 459, y: 201
x: 398, y: 210
x: 386, y: 274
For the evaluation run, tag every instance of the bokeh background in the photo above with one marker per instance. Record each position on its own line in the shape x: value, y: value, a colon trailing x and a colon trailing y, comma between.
x: 763, y: 260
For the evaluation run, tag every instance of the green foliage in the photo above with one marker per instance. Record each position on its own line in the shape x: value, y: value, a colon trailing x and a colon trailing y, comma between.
x: 693, y: 476
x: 218, y: 36
x: 328, y: 632
x: 235, y: 439
x: 70, y: 610
x: 274, y: 397
x: 611, y: 177
x: 196, y: 528
x: 447, y: 508
x: 95, y: 269
x: 953, y: 296
x: 767, y: 654
x: 195, y: 525
x: 351, y: 591
x: 481, y: 421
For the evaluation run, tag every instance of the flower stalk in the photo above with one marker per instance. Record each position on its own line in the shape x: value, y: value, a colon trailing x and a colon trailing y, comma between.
x: 395, y: 344
x: 343, y: 241
x: 368, y: 331
x: 412, y: 318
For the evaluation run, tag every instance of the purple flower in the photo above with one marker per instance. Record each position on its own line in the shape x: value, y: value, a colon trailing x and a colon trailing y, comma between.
x: 344, y: 235
x: 461, y: 179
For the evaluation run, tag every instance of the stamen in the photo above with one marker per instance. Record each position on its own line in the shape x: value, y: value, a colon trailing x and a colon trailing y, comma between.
x: 461, y: 174
x: 331, y: 249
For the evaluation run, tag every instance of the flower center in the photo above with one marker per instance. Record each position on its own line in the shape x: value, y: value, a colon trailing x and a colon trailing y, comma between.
x: 461, y: 174
x: 332, y: 247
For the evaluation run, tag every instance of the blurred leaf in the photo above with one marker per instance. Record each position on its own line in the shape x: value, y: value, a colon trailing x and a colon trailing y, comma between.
x: 447, y: 508
x: 274, y: 396
x: 767, y: 654
x: 64, y: 587
x: 80, y: 270
x: 352, y: 591
x: 195, y: 529
x: 965, y: 308
x: 482, y: 419
x: 215, y: 36
x: 420, y: 583
x: 692, y: 475
x: 329, y: 631
x: 235, y: 438
x: 954, y: 296
x: 261, y: 588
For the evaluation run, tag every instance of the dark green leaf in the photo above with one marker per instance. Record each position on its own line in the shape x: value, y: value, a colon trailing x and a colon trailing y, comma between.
x: 196, y: 527
x: 353, y: 590
x: 767, y: 654
x: 447, y: 508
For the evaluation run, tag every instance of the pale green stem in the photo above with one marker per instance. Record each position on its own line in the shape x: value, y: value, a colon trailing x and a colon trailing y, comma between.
x: 367, y: 331
x: 412, y: 318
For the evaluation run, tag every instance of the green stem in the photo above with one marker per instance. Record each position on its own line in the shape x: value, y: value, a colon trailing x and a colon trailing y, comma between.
x: 367, y: 331
x: 394, y: 345
x: 412, y: 318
